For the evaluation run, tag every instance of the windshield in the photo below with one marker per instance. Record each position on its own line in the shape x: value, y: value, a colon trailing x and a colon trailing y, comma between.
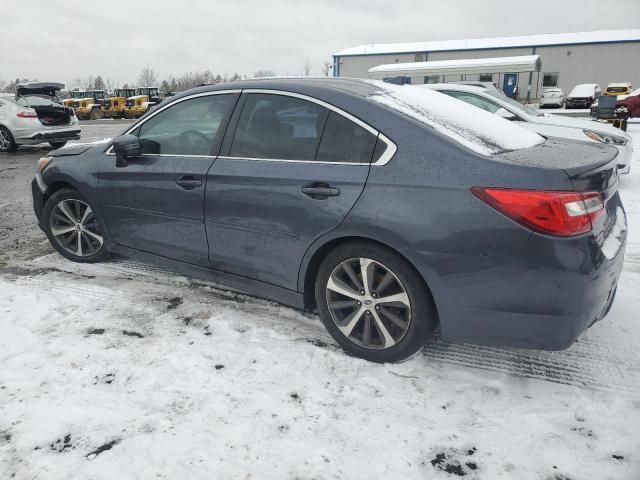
x: 617, y: 89
x: 523, y: 109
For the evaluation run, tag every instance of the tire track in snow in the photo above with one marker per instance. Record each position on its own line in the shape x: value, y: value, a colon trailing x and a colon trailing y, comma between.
x: 582, y: 365
x: 590, y: 363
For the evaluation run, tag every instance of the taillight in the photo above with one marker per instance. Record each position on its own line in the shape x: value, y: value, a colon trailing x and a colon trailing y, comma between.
x: 562, y: 214
x: 27, y: 115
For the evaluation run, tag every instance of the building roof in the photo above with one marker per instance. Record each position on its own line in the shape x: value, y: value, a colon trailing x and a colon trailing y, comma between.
x: 576, y: 38
x: 526, y: 63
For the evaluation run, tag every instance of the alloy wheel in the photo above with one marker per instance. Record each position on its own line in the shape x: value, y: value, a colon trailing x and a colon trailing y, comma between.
x: 5, y: 140
x: 74, y: 227
x: 368, y: 303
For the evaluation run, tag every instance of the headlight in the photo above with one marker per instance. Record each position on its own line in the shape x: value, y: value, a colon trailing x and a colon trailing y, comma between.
x: 42, y: 163
x: 605, y: 137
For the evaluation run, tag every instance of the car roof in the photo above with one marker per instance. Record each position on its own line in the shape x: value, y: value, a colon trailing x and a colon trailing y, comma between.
x: 353, y: 86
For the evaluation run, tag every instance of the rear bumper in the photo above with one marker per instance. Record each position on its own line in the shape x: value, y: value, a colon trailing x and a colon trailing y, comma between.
x: 545, y: 102
x: 50, y: 136
x: 543, y: 298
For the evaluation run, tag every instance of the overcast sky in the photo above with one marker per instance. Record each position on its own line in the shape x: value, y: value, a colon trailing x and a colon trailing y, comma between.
x: 64, y: 40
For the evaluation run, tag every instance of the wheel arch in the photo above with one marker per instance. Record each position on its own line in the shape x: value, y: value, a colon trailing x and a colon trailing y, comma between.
x: 313, y: 259
x: 57, y: 185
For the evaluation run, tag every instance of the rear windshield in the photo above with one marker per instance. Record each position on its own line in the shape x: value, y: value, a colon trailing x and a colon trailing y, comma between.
x: 617, y: 89
x: 476, y: 129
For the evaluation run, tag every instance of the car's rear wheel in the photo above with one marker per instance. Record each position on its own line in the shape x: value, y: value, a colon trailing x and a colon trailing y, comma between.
x: 72, y: 227
x: 373, y: 303
x: 57, y: 144
x: 7, y: 142
x: 96, y: 114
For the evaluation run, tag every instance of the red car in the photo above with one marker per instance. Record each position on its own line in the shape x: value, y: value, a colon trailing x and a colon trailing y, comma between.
x: 632, y: 103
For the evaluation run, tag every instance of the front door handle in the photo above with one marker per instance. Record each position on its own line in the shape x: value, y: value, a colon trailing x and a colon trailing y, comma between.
x: 189, y: 182
x: 320, y: 191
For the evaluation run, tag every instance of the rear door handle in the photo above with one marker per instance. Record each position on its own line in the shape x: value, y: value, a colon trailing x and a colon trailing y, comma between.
x: 189, y: 182
x: 320, y: 191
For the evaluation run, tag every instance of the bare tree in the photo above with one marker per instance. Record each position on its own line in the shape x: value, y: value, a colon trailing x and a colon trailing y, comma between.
x: 326, y: 66
x: 3, y: 84
x: 264, y: 73
x: 306, y: 67
x: 147, y: 77
x: 111, y: 84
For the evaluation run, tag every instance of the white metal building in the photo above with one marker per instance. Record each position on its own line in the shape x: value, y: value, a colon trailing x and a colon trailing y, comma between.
x: 567, y: 59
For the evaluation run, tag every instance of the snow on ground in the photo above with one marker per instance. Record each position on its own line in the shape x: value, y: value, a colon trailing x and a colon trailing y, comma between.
x: 127, y: 371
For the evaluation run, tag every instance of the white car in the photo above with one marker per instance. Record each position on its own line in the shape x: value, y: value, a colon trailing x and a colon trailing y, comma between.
x: 552, y: 97
x: 33, y: 115
x: 542, y: 123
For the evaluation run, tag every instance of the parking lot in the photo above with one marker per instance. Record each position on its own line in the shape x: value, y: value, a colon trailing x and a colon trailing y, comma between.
x: 122, y: 367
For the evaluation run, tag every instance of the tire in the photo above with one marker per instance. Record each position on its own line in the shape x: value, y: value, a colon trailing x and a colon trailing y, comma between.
x: 57, y: 144
x: 7, y: 142
x: 95, y: 114
x: 407, y: 326
x: 92, y: 248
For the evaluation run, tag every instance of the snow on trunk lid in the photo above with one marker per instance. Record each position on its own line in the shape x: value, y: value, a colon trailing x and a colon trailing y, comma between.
x: 476, y: 129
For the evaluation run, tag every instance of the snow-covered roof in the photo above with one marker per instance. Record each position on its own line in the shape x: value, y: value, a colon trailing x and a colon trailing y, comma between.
x: 525, y: 63
x: 602, y: 36
x: 476, y: 129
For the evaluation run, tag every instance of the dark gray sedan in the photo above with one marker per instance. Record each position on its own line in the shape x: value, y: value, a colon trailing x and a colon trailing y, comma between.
x: 390, y: 209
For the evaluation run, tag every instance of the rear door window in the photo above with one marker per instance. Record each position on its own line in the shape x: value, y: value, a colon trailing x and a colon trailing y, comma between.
x: 345, y: 141
x: 278, y: 127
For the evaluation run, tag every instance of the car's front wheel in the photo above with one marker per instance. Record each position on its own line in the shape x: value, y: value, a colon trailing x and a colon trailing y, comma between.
x: 373, y: 303
x: 7, y: 142
x: 72, y: 227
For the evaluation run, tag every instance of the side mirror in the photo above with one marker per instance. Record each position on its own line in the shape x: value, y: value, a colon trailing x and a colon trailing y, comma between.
x: 124, y: 147
x: 506, y: 114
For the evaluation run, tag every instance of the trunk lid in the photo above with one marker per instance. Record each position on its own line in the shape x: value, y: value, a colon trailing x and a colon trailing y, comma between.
x: 48, y: 89
x: 590, y: 168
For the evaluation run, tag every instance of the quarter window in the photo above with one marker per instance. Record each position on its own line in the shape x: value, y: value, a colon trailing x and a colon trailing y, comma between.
x: 345, y: 141
x: 190, y: 127
x: 278, y: 127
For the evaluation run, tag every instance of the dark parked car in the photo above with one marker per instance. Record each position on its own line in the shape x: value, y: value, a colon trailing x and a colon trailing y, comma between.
x: 357, y: 199
x: 583, y: 95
